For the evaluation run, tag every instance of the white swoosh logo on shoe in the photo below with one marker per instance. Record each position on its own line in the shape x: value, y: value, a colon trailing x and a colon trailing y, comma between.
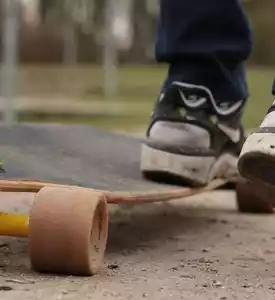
x: 233, y: 134
x: 195, y: 104
x: 161, y: 97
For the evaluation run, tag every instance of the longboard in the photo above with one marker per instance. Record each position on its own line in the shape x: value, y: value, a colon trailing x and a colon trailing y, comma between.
x: 41, y: 155
x: 76, y: 171
x: 78, y: 156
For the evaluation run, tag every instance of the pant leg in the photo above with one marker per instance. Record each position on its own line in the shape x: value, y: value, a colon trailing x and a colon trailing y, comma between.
x: 205, y: 43
x: 273, y: 88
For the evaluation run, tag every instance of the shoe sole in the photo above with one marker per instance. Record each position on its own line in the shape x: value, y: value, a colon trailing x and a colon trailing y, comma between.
x: 257, y: 158
x: 193, y: 170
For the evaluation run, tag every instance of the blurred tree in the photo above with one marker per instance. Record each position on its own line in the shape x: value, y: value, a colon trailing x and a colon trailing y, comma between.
x: 80, y: 24
x: 80, y: 12
x: 72, y: 16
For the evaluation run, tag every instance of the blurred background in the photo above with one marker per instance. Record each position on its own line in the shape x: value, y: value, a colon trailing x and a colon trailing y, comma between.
x: 92, y: 62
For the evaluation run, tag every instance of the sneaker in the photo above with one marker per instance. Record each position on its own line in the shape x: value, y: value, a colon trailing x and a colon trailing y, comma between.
x: 257, y: 158
x: 191, y: 147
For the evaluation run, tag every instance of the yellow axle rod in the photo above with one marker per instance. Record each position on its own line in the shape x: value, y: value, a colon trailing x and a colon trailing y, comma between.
x: 14, y: 225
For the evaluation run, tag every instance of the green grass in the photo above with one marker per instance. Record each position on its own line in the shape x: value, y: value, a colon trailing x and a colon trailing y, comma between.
x: 110, y: 123
x: 138, y: 90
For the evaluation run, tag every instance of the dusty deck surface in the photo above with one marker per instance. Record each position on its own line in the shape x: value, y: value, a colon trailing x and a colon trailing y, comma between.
x: 79, y: 155
x: 199, y: 248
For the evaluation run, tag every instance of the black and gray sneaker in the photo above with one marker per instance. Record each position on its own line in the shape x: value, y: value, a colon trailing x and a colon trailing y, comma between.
x: 257, y: 158
x: 190, y: 146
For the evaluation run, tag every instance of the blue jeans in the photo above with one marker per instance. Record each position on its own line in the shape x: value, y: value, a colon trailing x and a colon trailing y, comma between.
x: 205, y: 43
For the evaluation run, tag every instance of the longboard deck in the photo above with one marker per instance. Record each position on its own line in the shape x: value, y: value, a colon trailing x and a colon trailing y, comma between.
x: 75, y: 155
x: 39, y: 155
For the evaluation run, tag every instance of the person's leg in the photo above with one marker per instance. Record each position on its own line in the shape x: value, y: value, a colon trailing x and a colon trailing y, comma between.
x: 257, y: 158
x: 205, y: 46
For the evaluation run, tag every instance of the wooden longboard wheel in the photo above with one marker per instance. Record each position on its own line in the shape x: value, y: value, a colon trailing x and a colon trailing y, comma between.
x: 249, y: 200
x: 68, y: 231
